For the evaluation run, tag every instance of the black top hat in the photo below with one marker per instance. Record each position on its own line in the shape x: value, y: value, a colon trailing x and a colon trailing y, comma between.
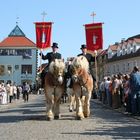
x: 83, y: 46
x: 55, y: 45
x: 136, y: 69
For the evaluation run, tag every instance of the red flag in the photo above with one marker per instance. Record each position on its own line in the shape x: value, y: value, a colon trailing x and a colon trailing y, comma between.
x: 94, y: 39
x: 43, y: 34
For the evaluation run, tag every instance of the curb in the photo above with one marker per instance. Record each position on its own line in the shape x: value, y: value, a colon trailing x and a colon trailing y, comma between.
x: 120, y: 110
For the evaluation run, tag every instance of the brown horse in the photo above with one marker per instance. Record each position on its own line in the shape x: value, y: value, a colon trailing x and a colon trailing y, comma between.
x: 54, y: 88
x: 82, y: 86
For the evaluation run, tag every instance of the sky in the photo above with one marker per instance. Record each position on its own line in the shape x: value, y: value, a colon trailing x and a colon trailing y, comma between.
x: 120, y: 17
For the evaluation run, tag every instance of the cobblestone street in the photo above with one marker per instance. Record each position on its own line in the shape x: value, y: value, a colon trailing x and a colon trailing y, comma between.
x: 26, y: 121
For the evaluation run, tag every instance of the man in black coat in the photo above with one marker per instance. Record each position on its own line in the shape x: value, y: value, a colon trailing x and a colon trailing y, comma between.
x: 89, y: 57
x: 50, y: 57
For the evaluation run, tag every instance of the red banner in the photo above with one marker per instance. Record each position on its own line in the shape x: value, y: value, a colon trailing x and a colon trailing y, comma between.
x: 94, y: 37
x: 43, y: 34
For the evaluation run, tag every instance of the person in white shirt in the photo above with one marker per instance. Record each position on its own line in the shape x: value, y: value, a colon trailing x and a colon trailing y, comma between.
x: 3, y: 94
x: 108, y: 94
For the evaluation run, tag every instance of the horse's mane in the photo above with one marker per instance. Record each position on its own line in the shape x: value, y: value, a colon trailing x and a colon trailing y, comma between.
x: 57, y: 64
x: 81, y: 61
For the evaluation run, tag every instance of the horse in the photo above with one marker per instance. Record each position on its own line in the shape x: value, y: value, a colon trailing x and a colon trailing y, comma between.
x: 54, y: 88
x: 82, y: 86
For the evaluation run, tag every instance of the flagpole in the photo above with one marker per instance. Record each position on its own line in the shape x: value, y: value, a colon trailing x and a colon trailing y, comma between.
x: 43, y: 19
x: 96, y: 67
x: 93, y: 14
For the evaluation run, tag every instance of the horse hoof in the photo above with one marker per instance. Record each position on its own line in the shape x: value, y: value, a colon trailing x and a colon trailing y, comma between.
x: 79, y: 118
x: 86, y: 115
x: 56, y: 117
x: 49, y: 119
x: 70, y: 110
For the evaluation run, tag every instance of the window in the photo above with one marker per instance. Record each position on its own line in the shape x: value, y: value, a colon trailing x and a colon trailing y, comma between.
x: 135, y: 63
x: 114, y: 68
x: 2, y: 69
x: 118, y: 68
x: 26, y: 69
x: 16, y: 67
x: 128, y: 66
x: 124, y: 67
x: 9, y: 69
x: 27, y: 54
x: 134, y: 48
x: 1, y: 81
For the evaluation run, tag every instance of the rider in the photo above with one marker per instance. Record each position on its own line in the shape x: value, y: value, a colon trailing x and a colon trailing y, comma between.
x: 50, y: 57
x: 89, y: 57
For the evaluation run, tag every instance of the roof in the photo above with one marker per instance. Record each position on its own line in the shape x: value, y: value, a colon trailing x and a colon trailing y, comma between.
x: 16, y: 32
x: 103, y: 52
x: 113, y: 47
x: 126, y: 56
x: 17, y: 39
x: 17, y: 42
x: 137, y: 40
x: 132, y: 37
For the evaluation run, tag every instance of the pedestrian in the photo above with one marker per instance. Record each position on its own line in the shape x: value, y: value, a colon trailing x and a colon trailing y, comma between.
x: 50, y: 57
x: 3, y: 94
x: 8, y: 91
x: 19, y: 91
x: 14, y: 92
x: 11, y: 93
x: 126, y: 95
x: 103, y: 92
x: 26, y: 90
x: 116, y: 102
x: 108, y: 93
x: 135, y: 91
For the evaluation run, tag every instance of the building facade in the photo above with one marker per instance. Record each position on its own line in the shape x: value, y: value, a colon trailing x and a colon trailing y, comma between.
x: 18, y: 58
x: 123, y: 56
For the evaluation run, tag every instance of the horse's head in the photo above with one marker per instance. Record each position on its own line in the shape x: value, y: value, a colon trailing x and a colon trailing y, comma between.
x: 57, y: 68
x: 79, y: 65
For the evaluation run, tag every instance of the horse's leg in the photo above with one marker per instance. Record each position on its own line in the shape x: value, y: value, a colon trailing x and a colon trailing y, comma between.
x: 72, y: 101
x: 86, y: 107
x: 57, y: 108
x: 57, y: 100
x: 49, y: 107
x: 83, y: 102
x: 79, y: 108
x: 70, y: 98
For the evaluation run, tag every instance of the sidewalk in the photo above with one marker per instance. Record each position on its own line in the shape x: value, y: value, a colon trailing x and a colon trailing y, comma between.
x: 121, y: 110
x: 16, y: 102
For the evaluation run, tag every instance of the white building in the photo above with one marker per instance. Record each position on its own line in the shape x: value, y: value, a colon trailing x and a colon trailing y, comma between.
x: 123, y: 56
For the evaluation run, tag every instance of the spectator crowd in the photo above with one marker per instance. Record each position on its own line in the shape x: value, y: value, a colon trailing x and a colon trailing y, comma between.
x: 122, y: 90
x: 11, y: 92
